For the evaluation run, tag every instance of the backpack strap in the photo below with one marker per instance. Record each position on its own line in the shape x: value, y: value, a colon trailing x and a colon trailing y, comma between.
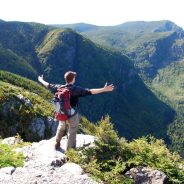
x: 65, y: 86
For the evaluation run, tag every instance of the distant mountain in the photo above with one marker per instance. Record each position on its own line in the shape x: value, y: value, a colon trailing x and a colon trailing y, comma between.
x: 151, y: 45
x: 79, y: 27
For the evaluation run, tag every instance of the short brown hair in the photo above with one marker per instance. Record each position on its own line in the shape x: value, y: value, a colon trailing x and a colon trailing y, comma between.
x: 69, y: 76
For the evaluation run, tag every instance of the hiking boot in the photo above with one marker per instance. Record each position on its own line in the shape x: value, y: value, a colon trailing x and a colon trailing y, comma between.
x: 57, y: 145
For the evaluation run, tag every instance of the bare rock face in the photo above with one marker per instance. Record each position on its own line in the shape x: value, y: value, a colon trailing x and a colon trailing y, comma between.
x: 32, y: 128
x: 45, y: 165
x: 51, y: 125
x: 38, y: 126
x: 144, y: 175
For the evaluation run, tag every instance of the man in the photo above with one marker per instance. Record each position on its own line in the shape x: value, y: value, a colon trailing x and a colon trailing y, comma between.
x: 76, y: 93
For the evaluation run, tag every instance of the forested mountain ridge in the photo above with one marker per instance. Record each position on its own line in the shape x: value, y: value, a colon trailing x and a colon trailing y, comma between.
x: 168, y: 84
x: 30, y: 49
x: 151, y: 45
x: 18, y: 42
x: 157, y: 50
x: 52, y: 51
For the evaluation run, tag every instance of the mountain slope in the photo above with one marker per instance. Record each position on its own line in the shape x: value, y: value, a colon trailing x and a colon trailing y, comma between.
x: 95, y: 66
x: 133, y: 107
x: 170, y: 86
x: 151, y: 45
x: 79, y: 27
x: 10, y: 61
x: 157, y: 50
x: 18, y: 47
x: 22, y: 103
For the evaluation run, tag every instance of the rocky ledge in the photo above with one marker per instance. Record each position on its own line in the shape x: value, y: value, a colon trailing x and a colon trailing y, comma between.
x: 43, y: 164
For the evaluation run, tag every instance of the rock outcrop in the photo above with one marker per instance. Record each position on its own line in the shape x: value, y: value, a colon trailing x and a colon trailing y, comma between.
x: 45, y: 165
x: 39, y: 127
x: 144, y: 175
x: 30, y: 126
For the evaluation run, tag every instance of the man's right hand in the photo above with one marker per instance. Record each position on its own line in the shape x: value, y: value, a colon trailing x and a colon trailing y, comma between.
x: 42, y: 81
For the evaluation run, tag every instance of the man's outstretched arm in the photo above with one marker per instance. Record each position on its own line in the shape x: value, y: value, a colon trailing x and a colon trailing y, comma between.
x: 42, y: 81
x: 106, y: 88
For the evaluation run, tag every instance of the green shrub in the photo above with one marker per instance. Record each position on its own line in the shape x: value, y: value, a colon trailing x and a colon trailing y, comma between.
x: 102, y: 161
x: 8, y: 157
x: 154, y: 153
x: 19, y: 113
x: 111, y: 156
x: 25, y: 84
x: 86, y: 126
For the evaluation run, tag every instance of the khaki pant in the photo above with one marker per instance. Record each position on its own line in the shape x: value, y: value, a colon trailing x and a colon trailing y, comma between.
x: 72, y: 131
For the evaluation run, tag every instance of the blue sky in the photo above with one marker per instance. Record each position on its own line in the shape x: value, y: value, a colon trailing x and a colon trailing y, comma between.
x: 98, y: 12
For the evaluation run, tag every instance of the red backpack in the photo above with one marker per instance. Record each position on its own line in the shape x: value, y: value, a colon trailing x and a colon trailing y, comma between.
x: 62, y: 104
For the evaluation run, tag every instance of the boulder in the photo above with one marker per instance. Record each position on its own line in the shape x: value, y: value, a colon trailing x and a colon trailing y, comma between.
x: 25, y: 100
x: 37, y: 126
x: 51, y: 125
x: 145, y: 175
x: 11, y: 140
x: 72, y: 168
x: 7, y: 170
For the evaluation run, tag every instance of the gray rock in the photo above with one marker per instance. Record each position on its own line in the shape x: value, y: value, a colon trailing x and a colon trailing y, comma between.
x: 38, y: 126
x: 7, y: 106
x: 51, y: 125
x: 24, y: 100
x: 85, y: 140
x: 11, y: 140
x: 72, y: 168
x: 45, y: 165
x: 144, y: 175
x: 7, y: 170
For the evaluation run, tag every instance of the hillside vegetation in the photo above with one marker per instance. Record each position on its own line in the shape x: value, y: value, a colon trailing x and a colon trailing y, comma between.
x: 169, y: 85
x: 109, y: 158
x: 112, y: 156
x: 151, y: 45
x: 157, y: 50
x: 25, y: 83
x: 10, y: 61
x: 19, y: 105
x: 30, y: 49
x: 53, y: 51
x: 18, y: 42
